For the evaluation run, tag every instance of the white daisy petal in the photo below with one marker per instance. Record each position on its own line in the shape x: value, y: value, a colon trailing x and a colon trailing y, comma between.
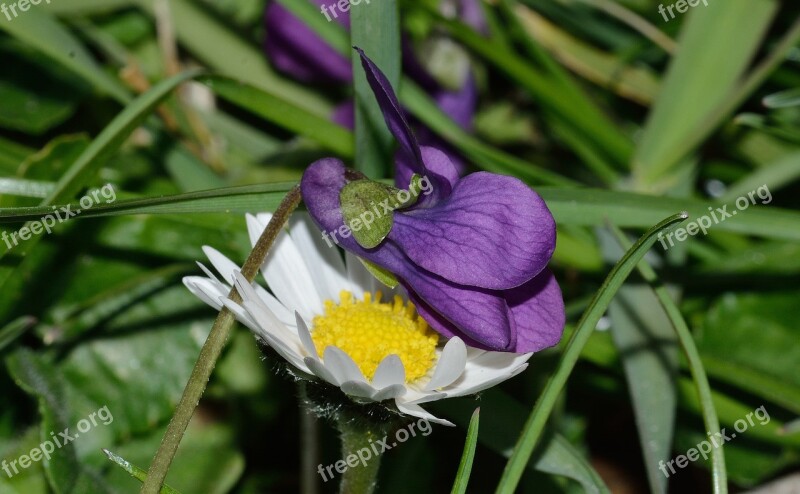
x: 283, y: 314
x: 305, y: 337
x: 286, y: 273
x: 222, y: 264
x: 390, y: 392
x: 319, y: 370
x: 358, y: 389
x: 323, y: 260
x: 418, y: 411
x: 341, y: 365
x: 241, y: 315
x: 209, y: 273
x: 389, y: 372
x: 494, y: 381
x: 451, y: 364
x: 486, y: 371
x: 205, y: 289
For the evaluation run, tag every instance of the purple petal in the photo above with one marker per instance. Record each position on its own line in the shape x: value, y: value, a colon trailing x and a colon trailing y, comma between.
x: 480, y: 317
x: 538, y: 311
x: 471, y: 14
x: 492, y: 232
x: 440, y: 171
x: 460, y: 105
x: 392, y: 112
x: 297, y: 50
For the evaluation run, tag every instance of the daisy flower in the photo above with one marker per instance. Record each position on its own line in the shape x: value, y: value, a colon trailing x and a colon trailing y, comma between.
x: 329, y: 319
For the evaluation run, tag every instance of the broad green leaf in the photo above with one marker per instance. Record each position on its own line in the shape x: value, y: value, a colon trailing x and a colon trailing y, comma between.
x: 468, y: 456
x: 752, y: 335
x: 30, y: 480
x: 720, y: 38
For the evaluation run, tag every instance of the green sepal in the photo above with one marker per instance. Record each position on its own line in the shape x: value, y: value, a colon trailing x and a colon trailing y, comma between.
x: 363, y: 211
x: 380, y: 274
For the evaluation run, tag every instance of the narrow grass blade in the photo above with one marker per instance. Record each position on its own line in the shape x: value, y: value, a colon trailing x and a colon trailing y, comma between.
x: 648, y: 349
x: 721, y: 38
x: 44, y: 32
x: 283, y: 113
x: 13, y: 330
x: 540, y: 413
x: 719, y: 473
x: 135, y: 471
x: 465, y: 467
x: 570, y: 206
x: 375, y: 29
x: 229, y: 54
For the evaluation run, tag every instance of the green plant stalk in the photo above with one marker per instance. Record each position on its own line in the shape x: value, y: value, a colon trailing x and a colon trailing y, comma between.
x: 538, y: 418
x: 356, y: 435
x: 719, y: 472
x: 212, y: 349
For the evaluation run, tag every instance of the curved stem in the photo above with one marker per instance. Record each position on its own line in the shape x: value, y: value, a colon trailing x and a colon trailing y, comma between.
x: 212, y: 349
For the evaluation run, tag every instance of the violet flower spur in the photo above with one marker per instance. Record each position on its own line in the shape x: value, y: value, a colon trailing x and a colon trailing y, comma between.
x: 472, y: 255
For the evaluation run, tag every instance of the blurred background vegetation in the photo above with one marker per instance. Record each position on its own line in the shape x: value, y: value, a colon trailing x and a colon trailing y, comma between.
x: 609, y: 112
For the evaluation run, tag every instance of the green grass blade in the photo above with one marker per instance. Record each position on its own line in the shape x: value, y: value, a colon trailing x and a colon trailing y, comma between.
x: 222, y: 50
x: 465, y: 467
x: 44, y: 32
x: 374, y: 28
x: 720, y: 38
x: 586, y: 326
x: 570, y: 206
x: 135, y: 471
x: 283, y: 113
x: 719, y: 473
x: 89, y: 161
x: 13, y: 330
x: 580, y: 113
x: 483, y: 156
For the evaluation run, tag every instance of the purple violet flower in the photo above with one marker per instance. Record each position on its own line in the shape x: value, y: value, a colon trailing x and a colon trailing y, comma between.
x: 472, y: 254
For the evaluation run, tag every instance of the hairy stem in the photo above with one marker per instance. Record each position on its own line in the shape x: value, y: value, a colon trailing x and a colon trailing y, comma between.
x: 212, y: 349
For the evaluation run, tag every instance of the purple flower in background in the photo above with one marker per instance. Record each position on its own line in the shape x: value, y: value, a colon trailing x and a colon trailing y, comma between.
x: 472, y: 254
x: 295, y: 49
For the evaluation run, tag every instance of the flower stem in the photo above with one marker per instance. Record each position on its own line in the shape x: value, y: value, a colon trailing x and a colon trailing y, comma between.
x: 357, y: 435
x: 212, y: 349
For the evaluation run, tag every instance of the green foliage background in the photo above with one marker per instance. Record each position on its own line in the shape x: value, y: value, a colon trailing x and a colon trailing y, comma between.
x: 611, y: 114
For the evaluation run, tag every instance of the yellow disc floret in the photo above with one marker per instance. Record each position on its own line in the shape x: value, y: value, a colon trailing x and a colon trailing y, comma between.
x: 369, y: 331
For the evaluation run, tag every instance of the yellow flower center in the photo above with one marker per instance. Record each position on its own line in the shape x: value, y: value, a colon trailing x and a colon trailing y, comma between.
x: 369, y: 331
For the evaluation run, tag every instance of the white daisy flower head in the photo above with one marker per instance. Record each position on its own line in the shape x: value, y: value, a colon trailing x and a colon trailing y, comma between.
x: 330, y: 320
